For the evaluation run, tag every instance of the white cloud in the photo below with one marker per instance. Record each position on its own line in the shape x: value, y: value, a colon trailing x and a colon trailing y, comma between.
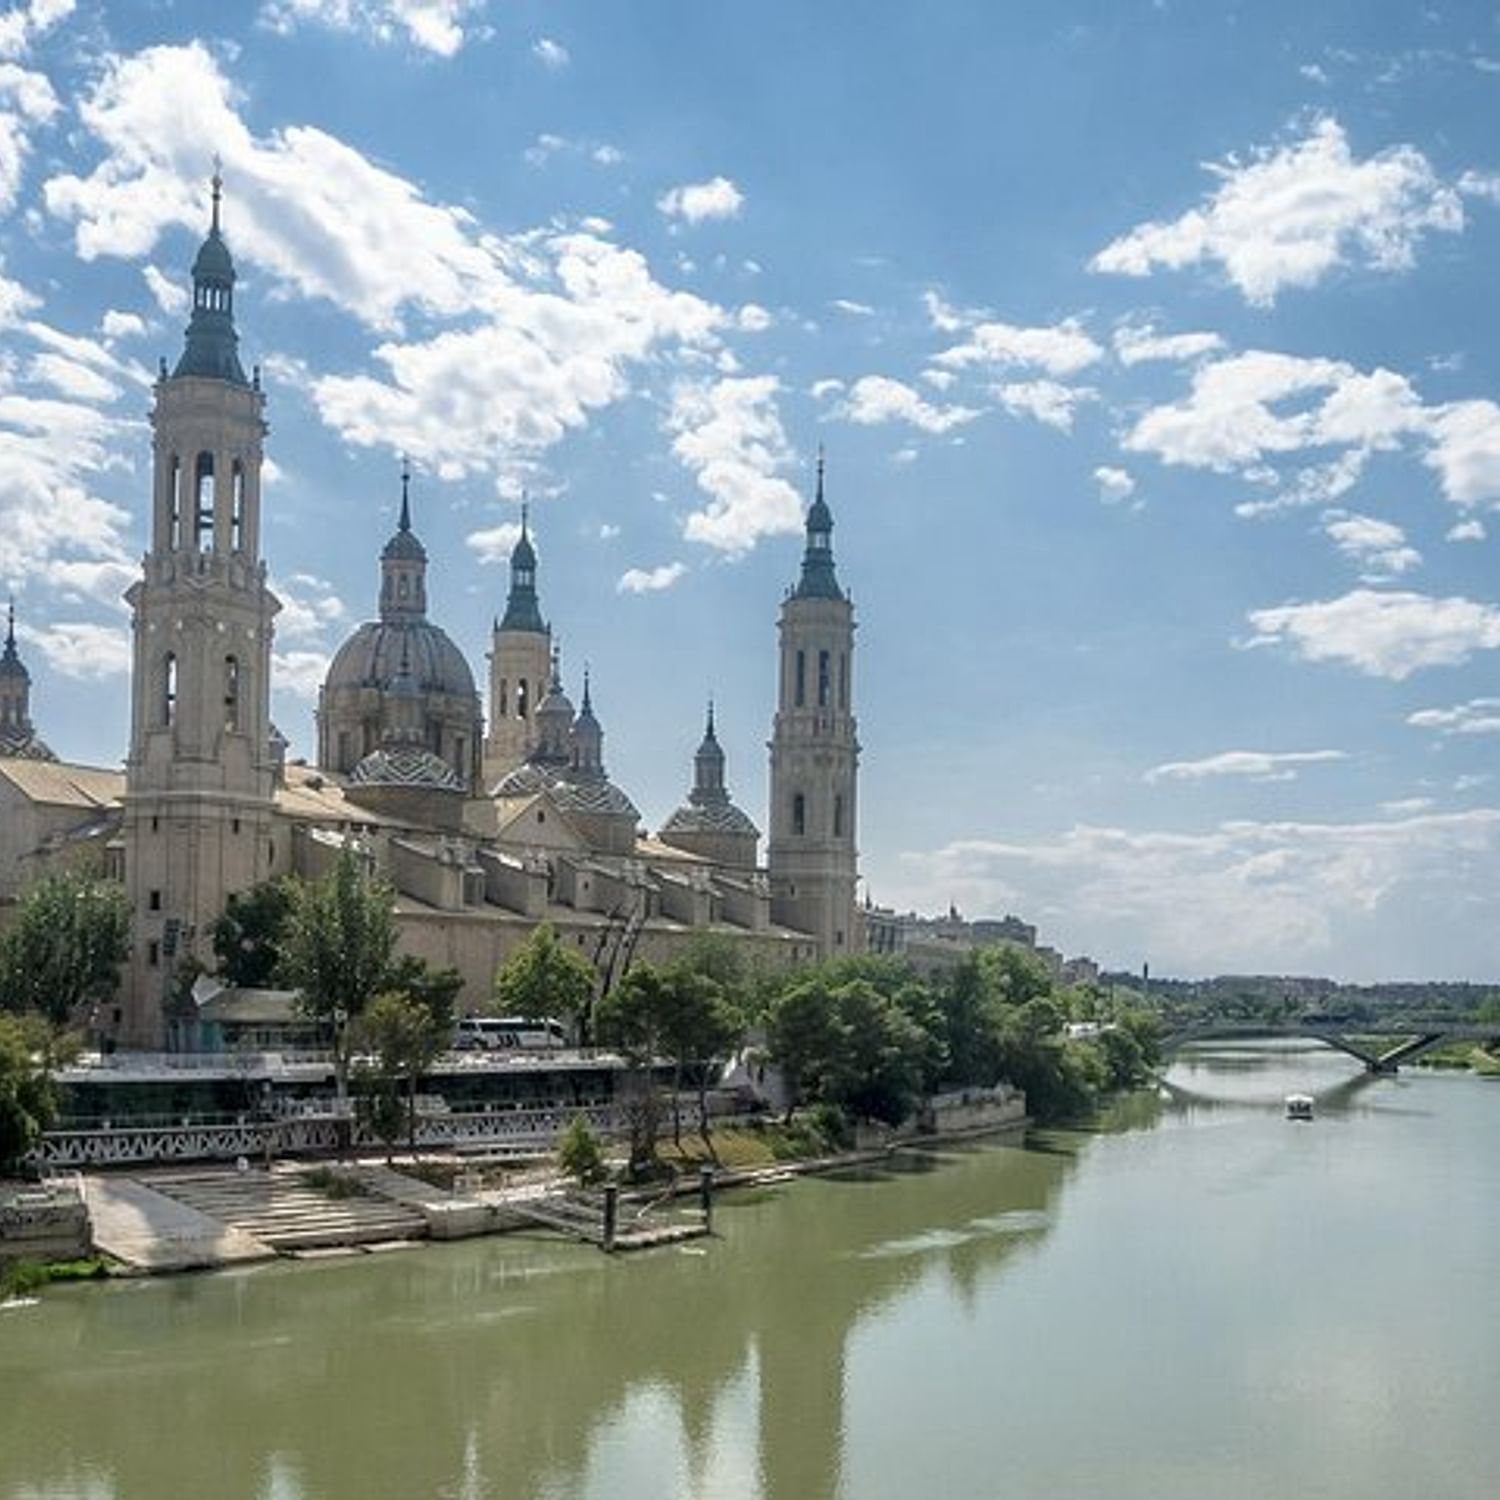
x: 1484, y: 185
x: 1377, y: 548
x: 1466, y: 531
x: 1047, y: 401
x: 1115, y: 485
x: 854, y: 309
x: 1138, y: 343
x: 1466, y: 451
x: 650, y: 580
x: 27, y: 101
x: 753, y: 318
x: 551, y: 54
x: 820, y: 390
x: 1383, y: 634
x: 729, y: 434
x: 1270, y: 897
x: 874, y: 399
x: 1477, y: 716
x: 1254, y: 765
x: 944, y: 318
x: 494, y: 544
x: 718, y: 198
x: 70, y: 378
x: 300, y: 673
x: 20, y: 26
x: 122, y: 325
x: 85, y: 652
x: 1291, y: 214
x: 1061, y: 349
x: 1313, y: 73
x: 171, y: 296
x: 102, y: 581
x: 432, y: 25
x: 308, y: 606
x: 608, y: 531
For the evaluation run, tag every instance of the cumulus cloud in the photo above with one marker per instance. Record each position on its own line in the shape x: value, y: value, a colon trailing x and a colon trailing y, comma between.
x: 1377, y: 548
x: 83, y: 651
x: 1060, y: 349
x: 874, y: 399
x: 1115, y: 485
x: 1254, y: 896
x: 1138, y: 343
x: 1477, y: 716
x: 694, y: 202
x: 299, y: 673
x: 1466, y: 531
x: 494, y: 544
x: 650, y: 580
x: 728, y: 433
x: 433, y: 25
x: 1254, y: 765
x: 1466, y: 451
x: 308, y: 607
x: 1048, y: 401
x: 27, y: 101
x: 23, y: 24
x: 1382, y: 634
x: 1290, y: 214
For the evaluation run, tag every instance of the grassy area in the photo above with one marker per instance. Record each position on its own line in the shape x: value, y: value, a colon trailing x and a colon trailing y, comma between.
x: 19, y: 1278
x: 764, y: 1146
x: 334, y: 1184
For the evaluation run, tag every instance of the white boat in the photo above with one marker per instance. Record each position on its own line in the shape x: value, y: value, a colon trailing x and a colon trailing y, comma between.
x: 1299, y: 1106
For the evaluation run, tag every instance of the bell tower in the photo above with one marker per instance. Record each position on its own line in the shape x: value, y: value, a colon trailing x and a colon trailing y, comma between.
x: 198, y: 778
x: 812, y: 857
x: 520, y: 667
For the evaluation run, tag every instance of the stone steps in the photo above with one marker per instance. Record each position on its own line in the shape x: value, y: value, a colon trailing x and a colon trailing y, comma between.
x: 286, y: 1213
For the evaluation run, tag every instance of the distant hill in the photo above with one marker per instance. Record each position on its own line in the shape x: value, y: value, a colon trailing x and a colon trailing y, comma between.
x: 1260, y: 994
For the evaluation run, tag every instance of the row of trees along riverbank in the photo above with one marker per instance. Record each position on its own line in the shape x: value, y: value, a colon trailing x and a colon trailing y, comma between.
x: 860, y: 1038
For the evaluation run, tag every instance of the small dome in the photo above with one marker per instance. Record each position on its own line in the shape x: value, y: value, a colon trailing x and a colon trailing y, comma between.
x: 404, y: 547
x: 723, y: 818
x: 405, y: 765
x: 23, y: 745
x: 213, y: 261
x: 594, y: 797
x: 524, y: 781
x: 523, y: 554
x: 372, y: 656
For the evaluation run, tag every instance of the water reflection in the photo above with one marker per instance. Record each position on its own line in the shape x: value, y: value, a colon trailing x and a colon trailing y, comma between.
x: 506, y: 1367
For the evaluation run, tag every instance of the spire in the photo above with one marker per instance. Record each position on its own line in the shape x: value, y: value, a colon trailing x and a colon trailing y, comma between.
x: 212, y: 348
x: 818, y: 580
x: 405, y: 523
x: 403, y: 564
x: 588, y: 706
x: 708, y: 768
x: 522, y: 612
x: 586, y: 738
x: 10, y: 632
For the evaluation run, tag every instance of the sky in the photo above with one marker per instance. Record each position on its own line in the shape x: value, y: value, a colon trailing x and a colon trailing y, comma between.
x: 1153, y: 348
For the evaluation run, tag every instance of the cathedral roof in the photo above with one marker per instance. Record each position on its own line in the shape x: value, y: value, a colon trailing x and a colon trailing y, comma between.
x: 594, y: 796
x: 818, y: 579
x: 522, y: 612
x: 404, y: 545
x: 212, y: 347
x: 724, y: 818
x: 11, y: 665
x: 401, y: 764
x: 23, y: 745
x: 372, y: 656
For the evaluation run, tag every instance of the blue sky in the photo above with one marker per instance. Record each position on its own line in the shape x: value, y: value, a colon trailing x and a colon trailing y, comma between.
x: 1153, y: 347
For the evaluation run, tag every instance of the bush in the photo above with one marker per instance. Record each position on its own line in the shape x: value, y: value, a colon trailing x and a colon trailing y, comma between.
x: 580, y: 1154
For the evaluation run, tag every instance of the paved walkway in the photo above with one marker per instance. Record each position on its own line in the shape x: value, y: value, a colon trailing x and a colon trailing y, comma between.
x: 148, y: 1231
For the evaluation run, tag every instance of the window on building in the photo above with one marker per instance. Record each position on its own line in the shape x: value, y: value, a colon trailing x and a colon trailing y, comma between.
x: 234, y: 825
x: 523, y: 700
x: 155, y: 823
x: 174, y: 503
x: 168, y: 690
x: 153, y: 901
x: 458, y: 753
x: 504, y: 703
x: 346, y: 757
x: 153, y: 953
x: 824, y: 682
x: 232, y: 694
x: 203, y: 501
x: 799, y: 813
x: 838, y: 815
x: 843, y: 679
x: 801, y: 692
x: 237, y: 507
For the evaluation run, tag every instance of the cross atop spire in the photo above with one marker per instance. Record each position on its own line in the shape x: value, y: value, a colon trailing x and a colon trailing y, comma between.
x: 217, y: 183
x: 405, y: 522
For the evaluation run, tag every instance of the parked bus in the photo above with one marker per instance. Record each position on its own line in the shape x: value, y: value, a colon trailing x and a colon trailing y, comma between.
x: 507, y: 1034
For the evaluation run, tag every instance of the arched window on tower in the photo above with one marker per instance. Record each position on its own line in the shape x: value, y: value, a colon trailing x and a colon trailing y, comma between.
x: 174, y: 503
x: 503, y: 706
x: 523, y: 700
x: 824, y: 680
x: 203, y: 500
x: 168, y: 710
x: 843, y: 679
x: 799, y: 813
x: 232, y: 694
x: 838, y: 815
x: 237, y: 507
x: 801, y: 692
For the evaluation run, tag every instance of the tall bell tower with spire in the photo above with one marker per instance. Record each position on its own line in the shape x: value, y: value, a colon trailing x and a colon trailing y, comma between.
x: 812, y: 855
x: 520, y: 666
x: 199, y: 774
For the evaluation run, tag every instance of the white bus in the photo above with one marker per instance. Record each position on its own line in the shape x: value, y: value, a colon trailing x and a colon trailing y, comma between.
x: 507, y: 1034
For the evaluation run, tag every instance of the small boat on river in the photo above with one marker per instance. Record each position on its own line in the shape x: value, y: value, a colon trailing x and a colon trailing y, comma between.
x: 1299, y: 1106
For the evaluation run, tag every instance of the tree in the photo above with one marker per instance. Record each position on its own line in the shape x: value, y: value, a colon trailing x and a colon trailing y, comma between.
x: 405, y: 1034
x: 580, y: 1154
x: 700, y: 1027
x: 542, y: 979
x: 805, y: 1038
x: 337, y: 951
x: 248, y: 937
x: 632, y: 1018
x: 29, y: 1050
x: 63, y: 954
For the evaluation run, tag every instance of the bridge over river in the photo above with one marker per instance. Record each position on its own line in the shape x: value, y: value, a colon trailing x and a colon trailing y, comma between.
x: 1382, y: 1046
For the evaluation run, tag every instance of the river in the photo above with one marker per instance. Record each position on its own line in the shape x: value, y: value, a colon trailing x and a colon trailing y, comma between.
x: 1195, y: 1298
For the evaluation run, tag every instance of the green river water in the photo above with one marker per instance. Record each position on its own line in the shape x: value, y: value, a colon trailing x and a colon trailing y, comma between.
x: 1197, y: 1298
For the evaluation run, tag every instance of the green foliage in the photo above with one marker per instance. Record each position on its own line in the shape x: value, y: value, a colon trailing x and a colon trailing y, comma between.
x: 337, y: 946
x: 632, y: 1019
x: 404, y: 1032
x: 248, y: 937
x: 542, y: 978
x: 580, y: 1154
x: 29, y: 1050
x: 63, y: 954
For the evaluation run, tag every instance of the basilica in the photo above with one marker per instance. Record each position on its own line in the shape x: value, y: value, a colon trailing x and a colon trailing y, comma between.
x: 486, y: 818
